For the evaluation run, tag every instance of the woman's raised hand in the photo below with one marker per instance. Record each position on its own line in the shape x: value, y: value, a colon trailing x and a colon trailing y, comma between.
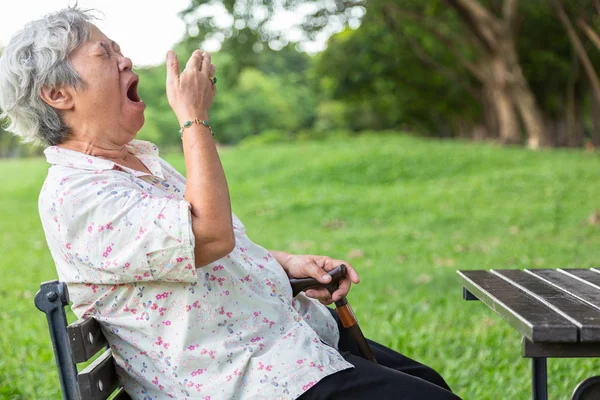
x: 190, y: 92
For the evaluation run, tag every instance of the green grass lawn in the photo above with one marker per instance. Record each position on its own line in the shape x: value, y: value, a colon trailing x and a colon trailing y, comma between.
x: 405, y: 212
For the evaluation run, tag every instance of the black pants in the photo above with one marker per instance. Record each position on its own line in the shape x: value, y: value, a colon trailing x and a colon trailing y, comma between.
x: 394, y: 377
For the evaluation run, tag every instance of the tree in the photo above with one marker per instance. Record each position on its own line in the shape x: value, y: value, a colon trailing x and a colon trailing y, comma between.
x: 468, y: 67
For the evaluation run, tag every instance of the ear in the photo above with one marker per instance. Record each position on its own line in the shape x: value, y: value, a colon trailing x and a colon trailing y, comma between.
x: 59, y: 98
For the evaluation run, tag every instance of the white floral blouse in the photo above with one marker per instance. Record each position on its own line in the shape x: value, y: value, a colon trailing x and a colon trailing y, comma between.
x: 122, y: 241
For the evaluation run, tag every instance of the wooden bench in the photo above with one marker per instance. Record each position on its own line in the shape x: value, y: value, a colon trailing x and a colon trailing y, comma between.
x: 556, y: 311
x: 78, y: 343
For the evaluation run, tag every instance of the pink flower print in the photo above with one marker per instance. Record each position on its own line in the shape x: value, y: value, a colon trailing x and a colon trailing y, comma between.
x: 143, y: 316
x: 210, y: 353
x: 179, y: 259
x: 167, y: 322
x: 142, y: 231
x: 199, y: 371
x: 90, y: 228
x: 94, y: 287
x: 222, y: 312
x: 140, y: 277
x: 107, y: 251
x: 131, y: 310
x: 161, y: 216
x: 308, y: 385
x: 271, y: 323
x: 126, y: 265
x: 159, y: 341
x: 163, y: 295
x: 68, y: 246
x: 217, y: 267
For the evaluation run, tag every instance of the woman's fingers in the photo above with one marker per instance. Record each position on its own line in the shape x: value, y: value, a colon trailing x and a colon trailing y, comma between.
x: 195, y: 61
x: 190, y: 93
x: 342, y: 290
x: 352, y: 274
x: 172, y: 66
x: 320, y: 294
x: 314, y: 271
x: 206, y: 58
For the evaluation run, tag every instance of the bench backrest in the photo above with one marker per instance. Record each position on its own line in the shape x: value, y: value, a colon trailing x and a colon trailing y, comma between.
x: 78, y: 343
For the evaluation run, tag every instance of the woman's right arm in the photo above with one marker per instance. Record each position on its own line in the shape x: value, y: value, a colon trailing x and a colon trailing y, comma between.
x: 190, y: 95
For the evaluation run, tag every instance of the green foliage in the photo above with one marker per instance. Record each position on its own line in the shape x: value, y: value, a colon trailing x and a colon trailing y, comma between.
x: 547, y: 57
x: 273, y: 95
x: 405, y: 212
x: 402, y: 66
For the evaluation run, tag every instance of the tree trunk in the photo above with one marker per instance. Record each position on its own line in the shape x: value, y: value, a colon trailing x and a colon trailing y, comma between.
x: 596, y: 122
x: 505, y: 117
x: 578, y: 47
x: 523, y: 98
x: 502, y: 77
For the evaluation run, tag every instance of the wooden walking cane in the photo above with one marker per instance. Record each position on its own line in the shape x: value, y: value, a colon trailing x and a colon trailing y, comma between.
x: 342, y: 306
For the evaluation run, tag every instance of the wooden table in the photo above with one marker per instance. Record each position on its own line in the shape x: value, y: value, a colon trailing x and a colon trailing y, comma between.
x: 556, y: 311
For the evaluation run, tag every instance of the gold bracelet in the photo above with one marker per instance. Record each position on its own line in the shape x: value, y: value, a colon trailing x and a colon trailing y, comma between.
x: 203, y: 122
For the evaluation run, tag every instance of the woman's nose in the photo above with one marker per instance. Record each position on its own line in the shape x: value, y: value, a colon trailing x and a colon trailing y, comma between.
x: 125, y: 64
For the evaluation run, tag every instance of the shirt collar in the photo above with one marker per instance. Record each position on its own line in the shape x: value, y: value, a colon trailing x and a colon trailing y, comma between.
x: 147, y: 153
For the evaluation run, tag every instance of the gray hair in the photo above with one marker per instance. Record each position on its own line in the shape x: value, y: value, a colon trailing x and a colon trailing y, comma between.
x: 37, y: 57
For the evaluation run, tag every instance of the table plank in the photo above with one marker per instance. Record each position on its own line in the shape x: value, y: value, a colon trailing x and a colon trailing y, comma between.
x: 584, y: 316
x: 590, y: 276
x: 532, y: 318
x: 559, y: 350
x: 573, y: 285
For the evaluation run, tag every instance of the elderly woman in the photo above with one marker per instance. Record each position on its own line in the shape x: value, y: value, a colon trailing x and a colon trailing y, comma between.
x: 191, y: 307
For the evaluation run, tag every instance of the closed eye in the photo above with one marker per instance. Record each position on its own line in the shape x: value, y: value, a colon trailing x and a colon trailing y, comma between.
x: 104, y: 50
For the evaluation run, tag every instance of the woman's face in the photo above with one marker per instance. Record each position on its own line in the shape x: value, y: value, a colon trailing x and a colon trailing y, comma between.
x: 108, y: 104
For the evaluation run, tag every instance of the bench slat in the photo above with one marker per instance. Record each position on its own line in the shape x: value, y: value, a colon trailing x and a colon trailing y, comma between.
x: 570, y: 284
x: 86, y: 339
x: 99, y: 379
x: 531, y: 317
x: 585, y: 317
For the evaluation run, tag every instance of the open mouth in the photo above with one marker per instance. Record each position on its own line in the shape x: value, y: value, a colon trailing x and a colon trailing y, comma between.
x: 132, y: 93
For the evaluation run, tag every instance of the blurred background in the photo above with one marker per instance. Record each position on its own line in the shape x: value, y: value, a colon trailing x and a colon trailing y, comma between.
x: 411, y: 138
x: 512, y: 72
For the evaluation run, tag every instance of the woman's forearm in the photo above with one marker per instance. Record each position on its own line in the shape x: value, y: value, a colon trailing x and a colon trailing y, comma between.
x: 208, y: 194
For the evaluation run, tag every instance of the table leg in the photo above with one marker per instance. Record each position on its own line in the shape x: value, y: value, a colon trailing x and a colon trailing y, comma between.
x: 539, y: 378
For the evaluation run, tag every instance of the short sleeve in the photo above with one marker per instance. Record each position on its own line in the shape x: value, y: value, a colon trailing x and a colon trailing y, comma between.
x: 114, y: 231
